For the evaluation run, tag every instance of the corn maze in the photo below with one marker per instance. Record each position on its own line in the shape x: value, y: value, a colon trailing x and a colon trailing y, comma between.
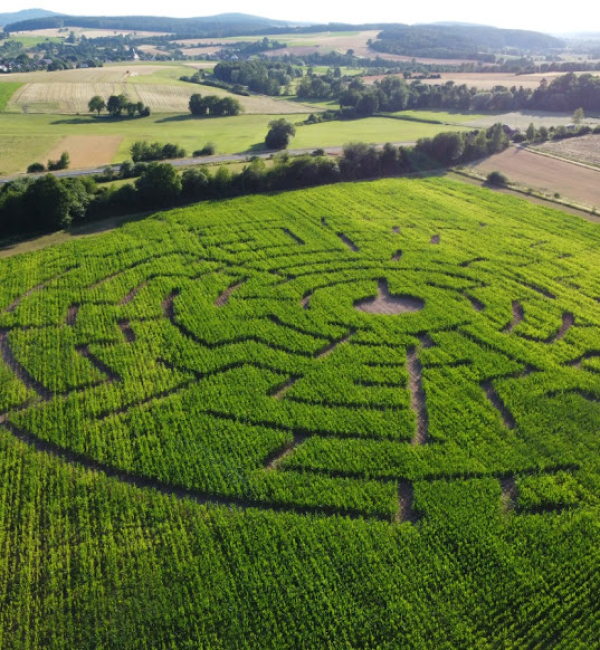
x: 399, y: 356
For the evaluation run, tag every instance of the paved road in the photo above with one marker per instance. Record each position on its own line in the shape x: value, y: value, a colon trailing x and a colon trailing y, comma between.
x: 183, y: 162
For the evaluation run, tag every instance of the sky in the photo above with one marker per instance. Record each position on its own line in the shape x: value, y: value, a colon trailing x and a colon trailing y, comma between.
x: 516, y: 14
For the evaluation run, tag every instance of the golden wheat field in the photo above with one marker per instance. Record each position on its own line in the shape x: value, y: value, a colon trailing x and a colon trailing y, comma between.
x: 69, y: 91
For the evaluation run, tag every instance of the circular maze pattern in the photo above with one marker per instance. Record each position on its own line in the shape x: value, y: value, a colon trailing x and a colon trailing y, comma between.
x: 329, y: 351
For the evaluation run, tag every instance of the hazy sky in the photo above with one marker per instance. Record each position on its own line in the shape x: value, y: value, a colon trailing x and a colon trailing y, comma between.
x: 518, y: 14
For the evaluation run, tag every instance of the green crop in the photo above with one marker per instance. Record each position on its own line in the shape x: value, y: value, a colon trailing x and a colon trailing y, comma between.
x: 354, y: 416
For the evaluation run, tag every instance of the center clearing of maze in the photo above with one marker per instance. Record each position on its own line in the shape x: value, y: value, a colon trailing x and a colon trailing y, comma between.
x: 343, y: 350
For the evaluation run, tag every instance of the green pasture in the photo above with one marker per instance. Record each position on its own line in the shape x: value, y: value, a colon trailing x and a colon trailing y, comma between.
x: 231, y: 134
x: 32, y: 41
x: 371, y: 129
x: 7, y: 90
x: 244, y: 133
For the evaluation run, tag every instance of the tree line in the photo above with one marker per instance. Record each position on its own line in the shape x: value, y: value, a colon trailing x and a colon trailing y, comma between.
x: 117, y: 105
x: 214, y: 106
x: 47, y: 203
x: 391, y: 94
x: 264, y: 77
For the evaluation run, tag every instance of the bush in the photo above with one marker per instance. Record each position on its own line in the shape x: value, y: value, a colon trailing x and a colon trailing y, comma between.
x: 209, y: 149
x: 519, y: 137
x: 126, y: 169
x: 150, y: 151
x: 36, y: 168
x: 496, y: 178
x: 279, y: 134
x: 159, y: 185
x: 61, y: 163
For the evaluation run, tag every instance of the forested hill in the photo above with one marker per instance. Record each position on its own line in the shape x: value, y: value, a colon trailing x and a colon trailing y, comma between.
x: 222, y: 24
x: 25, y: 14
x: 459, y: 41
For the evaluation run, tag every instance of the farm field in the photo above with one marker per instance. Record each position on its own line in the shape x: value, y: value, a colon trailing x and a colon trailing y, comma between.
x: 56, y: 34
x: 522, y: 119
x: 482, y: 80
x: 584, y: 149
x: 231, y: 134
x: 303, y: 44
x: 6, y: 92
x: 371, y: 129
x: 361, y: 415
x: 156, y: 86
x: 45, y: 132
x: 545, y: 174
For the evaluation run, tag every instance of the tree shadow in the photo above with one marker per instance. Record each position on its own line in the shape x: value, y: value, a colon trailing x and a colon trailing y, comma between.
x: 95, y: 119
x: 179, y: 118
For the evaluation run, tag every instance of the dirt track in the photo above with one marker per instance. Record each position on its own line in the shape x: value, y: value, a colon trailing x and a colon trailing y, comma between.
x: 580, y: 184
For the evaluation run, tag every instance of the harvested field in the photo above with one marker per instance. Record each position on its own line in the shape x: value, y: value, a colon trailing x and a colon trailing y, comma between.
x: 487, y: 80
x: 546, y: 174
x: 585, y: 149
x: 522, y: 119
x: 112, y: 74
x: 73, y: 96
x: 88, y: 33
x: 87, y: 150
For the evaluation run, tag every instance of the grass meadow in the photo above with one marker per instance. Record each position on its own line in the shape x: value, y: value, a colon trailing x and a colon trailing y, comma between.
x: 231, y: 134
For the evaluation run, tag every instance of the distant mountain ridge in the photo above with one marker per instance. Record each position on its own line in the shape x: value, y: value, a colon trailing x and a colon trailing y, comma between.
x: 24, y: 14
x: 230, y: 23
x: 449, y: 41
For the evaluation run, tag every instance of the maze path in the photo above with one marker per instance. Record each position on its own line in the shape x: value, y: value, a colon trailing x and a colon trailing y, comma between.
x: 294, y: 290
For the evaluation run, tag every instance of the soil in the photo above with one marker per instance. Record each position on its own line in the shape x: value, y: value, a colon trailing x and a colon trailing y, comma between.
x: 387, y: 304
x: 87, y: 150
x: 351, y: 245
x: 498, y: 404
x: 585, y: 149
x: 417, y: 397
x: 579, y: 184
x: 223, y: 299
x: 518, y: 315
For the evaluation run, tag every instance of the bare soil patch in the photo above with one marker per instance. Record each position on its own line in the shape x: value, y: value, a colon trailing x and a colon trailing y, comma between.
x: 87, y: 150
x: 111, y: 375
x: 388, y: 304
x: 223, y: 299
x: 405, y: 503
x: 568, y: 320
x: 328, y: 349
x: 274, y: 461
x: 351, y: 245
x: 517, y: 316
x: 283, y: 388
x: 417, y: 396
x: 133, y: 293
x: 128, y: 333
x: 546, y: 174
x: 498, y: 404
x: 20, y: 372
x: 72, y: 314
x: 477, y: 304
x: 509, y: 493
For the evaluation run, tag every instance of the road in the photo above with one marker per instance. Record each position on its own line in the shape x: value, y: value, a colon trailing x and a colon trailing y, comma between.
x: 184, y: 162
